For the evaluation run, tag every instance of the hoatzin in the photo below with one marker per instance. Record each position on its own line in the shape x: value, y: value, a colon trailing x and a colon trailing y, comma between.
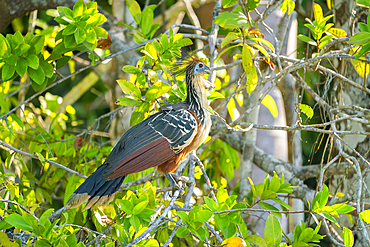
x: 163, y: 140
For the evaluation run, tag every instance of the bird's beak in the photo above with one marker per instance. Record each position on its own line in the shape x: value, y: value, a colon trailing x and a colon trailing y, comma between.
x: 207, y: 70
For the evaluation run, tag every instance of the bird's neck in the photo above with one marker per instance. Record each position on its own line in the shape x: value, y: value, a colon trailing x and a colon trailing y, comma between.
x: 197, y: 97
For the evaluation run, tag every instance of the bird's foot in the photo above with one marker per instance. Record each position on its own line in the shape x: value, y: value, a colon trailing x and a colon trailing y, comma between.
x: 174, y: 180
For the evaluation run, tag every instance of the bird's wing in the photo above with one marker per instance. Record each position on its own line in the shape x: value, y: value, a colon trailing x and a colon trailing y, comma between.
x: 178, y: 127
x: 151, y: 143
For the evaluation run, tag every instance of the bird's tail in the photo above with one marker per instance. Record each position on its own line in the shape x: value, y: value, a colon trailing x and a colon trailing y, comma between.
x: 95, y: 190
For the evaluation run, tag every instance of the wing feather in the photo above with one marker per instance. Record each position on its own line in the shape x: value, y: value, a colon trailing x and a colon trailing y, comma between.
x: 151, y: 143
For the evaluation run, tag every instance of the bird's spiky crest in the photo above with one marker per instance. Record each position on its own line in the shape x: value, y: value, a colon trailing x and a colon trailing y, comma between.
x: 186, y: 65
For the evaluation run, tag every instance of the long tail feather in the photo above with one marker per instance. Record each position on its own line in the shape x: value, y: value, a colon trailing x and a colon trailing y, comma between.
x: 95, y: 190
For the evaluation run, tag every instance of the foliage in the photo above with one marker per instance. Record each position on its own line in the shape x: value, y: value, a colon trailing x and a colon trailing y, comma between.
x: 44, y: 160
x: 319, y: 27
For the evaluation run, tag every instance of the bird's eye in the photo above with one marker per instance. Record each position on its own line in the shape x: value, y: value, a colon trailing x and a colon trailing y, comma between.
x: 200, y: 65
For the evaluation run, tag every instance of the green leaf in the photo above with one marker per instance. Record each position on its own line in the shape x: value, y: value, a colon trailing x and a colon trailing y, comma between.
x: 17, y: 39
x: 147, y: 19
x: 270, y: 207
x: 157, y: 90
x: 100, y: 19
x: 256, y: 240
x: 275, y: 183
x: 139, y: 114
x: 80, y: 35
x: 252, y: 4
x: 297, y: 232
x: 91, y: 36
x: 363, y: 3
x: 183, y: 216
x: 268, y: 194
x: 32, y: 61
x: 69, y: 29
x: 306, y: 109
x: 228, y: 228
x: 139, y: 207
x: 359, y: 38
x: 38, y: 75
x: 249, y: 69
x: 37, y: 43
x: 365, y: 216
x: 21, y: 49
x: 47, y: 67
x: 307, y: 39
x: 71, y: 240
x: 228, y: 3
x: 125, y: 101
x: 62, y: 62
x: 327, y: 39
x: 348, y: 237
x: 69, y: 41
x: 67, y: 12
x: 8, y: 71
x: 78, y: 8
x: 203, y: 215
x: 229, y: 37
x: 134, y: 9
x: 129, y: 88
x: 232, y: 20
x: 100, y: 32
x: 12, y: 60
x: 214, y: 95
x: 131, y: 69
x: 182, y: 232
x: 342, y: 208
x: 4, y: 47
x: 283, y: 204
x: 18, y: 222
x: 272, y: 231
x: 126, y: 206
x: 21, y: 66
x: 135, y: 222
x: 306, y: 235
x: 211, y: 204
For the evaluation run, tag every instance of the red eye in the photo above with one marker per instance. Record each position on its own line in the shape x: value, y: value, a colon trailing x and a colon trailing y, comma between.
x: 200, y: 65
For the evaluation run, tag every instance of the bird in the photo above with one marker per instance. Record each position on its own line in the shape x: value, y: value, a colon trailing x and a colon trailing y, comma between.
x: 163, y: 140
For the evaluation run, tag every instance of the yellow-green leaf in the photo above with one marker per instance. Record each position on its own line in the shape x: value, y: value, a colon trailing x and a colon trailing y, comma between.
x: 249, y: 69
x: 234, y: 242
x: 365, y: 216
x: 363, y: 69
x: 306, y: 109
x: 265, y: 42
x: 330, y: 3
x: 337, y: 32
x: 317, y: 11
x: 347, y: 237
x: 269, y: 102
x: 234, y: 113
x: 157, y: 90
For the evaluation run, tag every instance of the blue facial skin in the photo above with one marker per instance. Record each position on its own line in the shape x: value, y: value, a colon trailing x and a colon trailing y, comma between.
x: 201, y: 68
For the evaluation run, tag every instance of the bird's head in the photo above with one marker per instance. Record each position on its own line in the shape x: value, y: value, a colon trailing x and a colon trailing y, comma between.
x: 201, y: 68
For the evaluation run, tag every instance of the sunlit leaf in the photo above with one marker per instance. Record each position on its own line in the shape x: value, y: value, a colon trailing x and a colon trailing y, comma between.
x: 249, y: 69
x: 306, y: 109
x: 362, y: 68
x: 348, y: 238
x: 317, y: 11
x: 270, y: 103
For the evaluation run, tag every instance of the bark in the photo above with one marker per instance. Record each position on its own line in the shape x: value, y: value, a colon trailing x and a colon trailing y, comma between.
x: 11, y: 9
